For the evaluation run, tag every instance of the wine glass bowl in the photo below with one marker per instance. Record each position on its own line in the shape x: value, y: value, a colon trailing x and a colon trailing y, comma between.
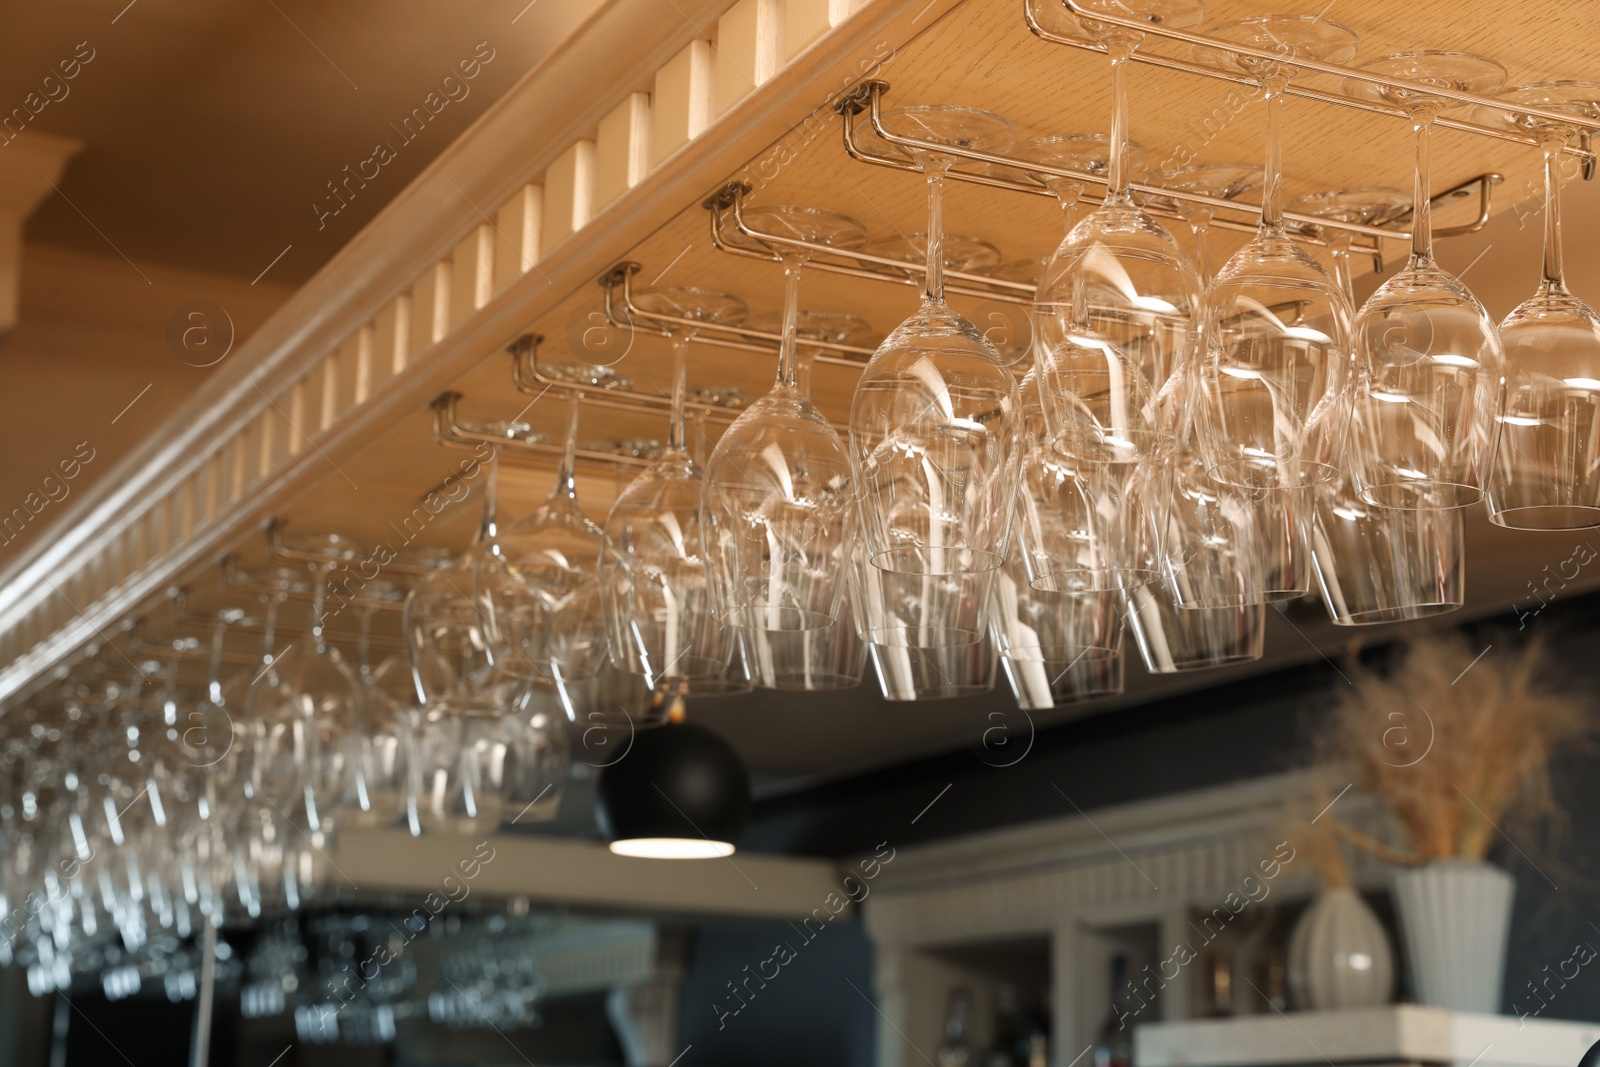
x: 1433, y: 368
x: 1546, y: 473
x: 934, y: 424
x: 1277, y: 385
x: 656, y: 596
x: 1279, y: 378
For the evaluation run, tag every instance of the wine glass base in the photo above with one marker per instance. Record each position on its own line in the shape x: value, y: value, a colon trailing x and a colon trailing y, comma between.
x: 703, y: 685
x: 810, y: 682
x: 932, y: 561
x: 1245, y: 599
x: 1089, y: 581
x: 1261, y: 478
x: 923, y: 637
x: 1547, y: 517
x: 1399, y: 613
x: 1421, y: 495
x: 775, y: 618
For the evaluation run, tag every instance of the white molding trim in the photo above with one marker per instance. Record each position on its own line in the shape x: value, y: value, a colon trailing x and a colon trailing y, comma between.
x: 1061, y: 879
x: 121, y: 544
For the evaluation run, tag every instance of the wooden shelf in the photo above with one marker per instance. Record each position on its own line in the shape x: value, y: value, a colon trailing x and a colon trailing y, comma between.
x: 1400, y: 1033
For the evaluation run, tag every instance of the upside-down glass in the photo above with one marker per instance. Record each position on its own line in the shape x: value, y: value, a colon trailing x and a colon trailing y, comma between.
x: 933, y: 423
x: 1546, y: 473
x: 831, y: 657
x: 1429, y: 357
x: 555, y: 551
x: 1372, y: 564
x: 1278, y: 383
x: 1057, y: 648
x: 1116, y: 308
x: 654, y: 582
x: 483, y: 734
x: 777, y: 487
x: 302, y: 709
x: 375, y: 786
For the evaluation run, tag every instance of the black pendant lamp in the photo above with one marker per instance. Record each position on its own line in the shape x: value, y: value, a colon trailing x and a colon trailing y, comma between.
x: 681, y: 792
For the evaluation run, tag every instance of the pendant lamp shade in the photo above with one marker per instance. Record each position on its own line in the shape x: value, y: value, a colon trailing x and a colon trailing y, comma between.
x: 680, y: 793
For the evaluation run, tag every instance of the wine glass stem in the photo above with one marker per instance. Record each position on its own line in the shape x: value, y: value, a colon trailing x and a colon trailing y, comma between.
x: 319, y: 600
x: 676, y: 439
x: 789, y: 346
x: 1272, y: 176
x: 1199, y: 219
x: 214, y: 679
x: 1422, y: 207
x: 364, y: 652
x: 934, y: 167
x: 566, y: 477
x: 1068, y: 193
x: 803, y: 373
x: 269, y: 629
x: 487, y: 527
x: 1553, y: 272
x: 1119, y: 178
x: 1339, y: 249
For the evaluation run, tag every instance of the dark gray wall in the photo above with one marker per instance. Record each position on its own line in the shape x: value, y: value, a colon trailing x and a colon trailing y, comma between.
x: 1245, y: 729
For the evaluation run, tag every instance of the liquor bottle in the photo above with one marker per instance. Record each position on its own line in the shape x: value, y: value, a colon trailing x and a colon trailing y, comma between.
x: 1114, y: 1046
x: 1008, y: 1030
x: 956, y: 1051
x: 1039, y: 1030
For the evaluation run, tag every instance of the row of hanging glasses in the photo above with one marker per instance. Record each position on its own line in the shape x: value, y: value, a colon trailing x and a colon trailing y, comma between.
x: 1172, y: 452
x: 1164, y: 453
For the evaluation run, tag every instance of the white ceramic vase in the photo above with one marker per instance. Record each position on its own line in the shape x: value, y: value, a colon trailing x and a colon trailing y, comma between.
x: 1455, y: 915
x: 1339, y: 954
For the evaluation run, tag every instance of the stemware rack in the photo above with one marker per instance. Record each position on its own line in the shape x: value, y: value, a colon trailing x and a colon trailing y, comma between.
x: 859, y: 102
x: 868, y: 97
x: 1585, y: 128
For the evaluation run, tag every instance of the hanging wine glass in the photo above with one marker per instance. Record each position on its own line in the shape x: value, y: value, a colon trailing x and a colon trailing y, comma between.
x: 933, y: 433
x: 1056, y: 648
x: 1546, y: 473
x: 1278, y: 385
x: 777, y: 486
x: 1429, y: 357
x: 830, y: 657
x: 1115, y: 310
x: 1220, y: 181
x: 301, y: 708
x: 1376, y: 565
x: 375, y: 785
x: 654, y: 586
x: 1098, y: 405
x: 555, y: 553
x: 483, y: 732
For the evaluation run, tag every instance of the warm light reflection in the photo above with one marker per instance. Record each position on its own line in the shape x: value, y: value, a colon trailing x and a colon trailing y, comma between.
x: 672, y: 848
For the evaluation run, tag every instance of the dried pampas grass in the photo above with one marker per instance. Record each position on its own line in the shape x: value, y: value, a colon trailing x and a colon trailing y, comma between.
x: 1457, y: 747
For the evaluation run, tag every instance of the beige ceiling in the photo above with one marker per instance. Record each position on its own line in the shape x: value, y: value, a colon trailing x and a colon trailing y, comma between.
x: 209, y: 132
x: 212, y: 128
